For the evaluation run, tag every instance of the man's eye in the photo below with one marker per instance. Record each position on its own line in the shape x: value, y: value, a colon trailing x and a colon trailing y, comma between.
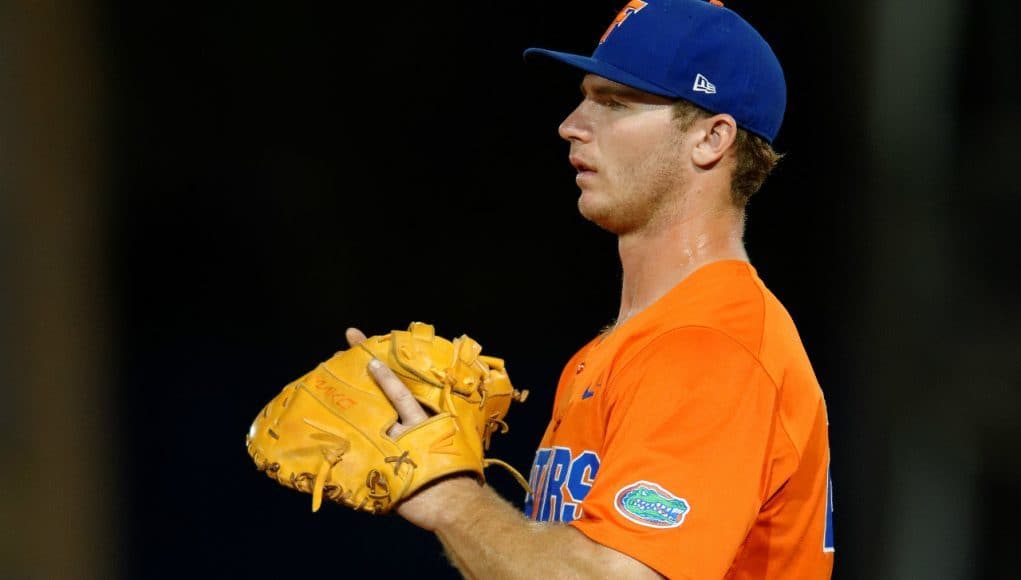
x: 612, y: 103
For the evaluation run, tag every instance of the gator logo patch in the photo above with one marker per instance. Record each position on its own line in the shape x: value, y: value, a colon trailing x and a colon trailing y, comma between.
x: 648, y: 504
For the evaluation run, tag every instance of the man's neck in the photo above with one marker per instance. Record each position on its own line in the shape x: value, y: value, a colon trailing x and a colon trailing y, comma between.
x: 653, y: 262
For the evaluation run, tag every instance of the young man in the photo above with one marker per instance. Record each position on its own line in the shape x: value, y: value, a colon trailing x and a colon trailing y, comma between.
x: 689, y: 439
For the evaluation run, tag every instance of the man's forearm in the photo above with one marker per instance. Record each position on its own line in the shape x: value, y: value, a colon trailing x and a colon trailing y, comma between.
x: 487, y: 537
x: 484, y: 535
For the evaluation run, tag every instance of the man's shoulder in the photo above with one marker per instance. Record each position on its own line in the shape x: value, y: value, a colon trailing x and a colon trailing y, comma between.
x: 727, y: 297
x: 729, y: 301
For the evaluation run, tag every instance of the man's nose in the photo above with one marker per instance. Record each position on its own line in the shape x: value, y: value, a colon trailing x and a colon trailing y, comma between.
x: 575, y: 127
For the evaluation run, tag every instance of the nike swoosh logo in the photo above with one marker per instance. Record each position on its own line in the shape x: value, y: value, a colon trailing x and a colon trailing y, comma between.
x: 587, y: 393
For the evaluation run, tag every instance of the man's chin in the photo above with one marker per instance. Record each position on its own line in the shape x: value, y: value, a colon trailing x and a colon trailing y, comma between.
x: 600, y: 216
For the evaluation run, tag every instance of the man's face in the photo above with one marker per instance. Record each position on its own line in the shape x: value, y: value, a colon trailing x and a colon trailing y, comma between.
x: 628, y: 150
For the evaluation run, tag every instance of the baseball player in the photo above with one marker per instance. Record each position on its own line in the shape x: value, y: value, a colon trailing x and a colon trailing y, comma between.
x: 689, y: 439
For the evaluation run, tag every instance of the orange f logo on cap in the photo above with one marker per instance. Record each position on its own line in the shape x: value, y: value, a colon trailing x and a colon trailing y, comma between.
x: 632, y: 7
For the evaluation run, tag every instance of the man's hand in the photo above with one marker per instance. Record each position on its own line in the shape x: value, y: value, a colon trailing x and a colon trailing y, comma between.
x: 425, y: 507
x: 472, y: 520
x: 409, y: 410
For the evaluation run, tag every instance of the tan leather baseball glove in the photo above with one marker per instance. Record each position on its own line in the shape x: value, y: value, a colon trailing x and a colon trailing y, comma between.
x: 326, y: 433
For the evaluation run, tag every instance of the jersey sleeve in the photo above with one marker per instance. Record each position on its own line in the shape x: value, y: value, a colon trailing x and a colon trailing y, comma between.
x: 692, y: 432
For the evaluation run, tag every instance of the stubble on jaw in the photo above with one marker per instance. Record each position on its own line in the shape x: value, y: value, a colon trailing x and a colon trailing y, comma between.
x: 644, y: 196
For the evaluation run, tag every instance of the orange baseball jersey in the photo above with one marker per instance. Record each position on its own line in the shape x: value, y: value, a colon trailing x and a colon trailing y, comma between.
x: 694, y: 437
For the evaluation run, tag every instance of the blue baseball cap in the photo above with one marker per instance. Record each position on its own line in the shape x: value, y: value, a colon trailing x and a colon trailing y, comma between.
x: 694, y: 50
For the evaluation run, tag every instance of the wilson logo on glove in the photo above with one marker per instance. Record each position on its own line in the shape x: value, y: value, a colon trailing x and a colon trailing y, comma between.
x: 326, y: 433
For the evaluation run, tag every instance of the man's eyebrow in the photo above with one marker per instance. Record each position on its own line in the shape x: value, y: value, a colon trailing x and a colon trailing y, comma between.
x: 610, y: 91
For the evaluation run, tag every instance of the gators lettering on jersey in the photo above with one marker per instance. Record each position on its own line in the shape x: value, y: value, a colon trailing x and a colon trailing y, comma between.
x: 560, y: 483
x: 694, y: 437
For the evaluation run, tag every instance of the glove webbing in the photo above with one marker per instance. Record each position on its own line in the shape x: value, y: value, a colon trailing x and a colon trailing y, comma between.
x: 491, y: 425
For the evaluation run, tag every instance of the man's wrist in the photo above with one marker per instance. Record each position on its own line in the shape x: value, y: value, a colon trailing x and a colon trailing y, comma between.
x: 461, y: 499
x: 444, y: 503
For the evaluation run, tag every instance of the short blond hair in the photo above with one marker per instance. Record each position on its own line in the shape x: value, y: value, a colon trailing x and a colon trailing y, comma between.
x: 756, y: 158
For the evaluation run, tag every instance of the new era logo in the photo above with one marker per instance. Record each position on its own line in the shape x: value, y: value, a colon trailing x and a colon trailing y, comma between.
x: 702, y: 85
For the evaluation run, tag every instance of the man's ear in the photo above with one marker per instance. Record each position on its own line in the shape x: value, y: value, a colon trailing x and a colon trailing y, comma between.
x: 719, y: 134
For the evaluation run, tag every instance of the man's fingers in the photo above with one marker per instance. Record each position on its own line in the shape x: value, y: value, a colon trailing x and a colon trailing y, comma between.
x: 354, y: 336
x: 408, y: 408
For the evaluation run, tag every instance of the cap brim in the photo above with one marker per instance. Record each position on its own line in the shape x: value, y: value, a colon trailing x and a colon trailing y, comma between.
x: 600, y: 68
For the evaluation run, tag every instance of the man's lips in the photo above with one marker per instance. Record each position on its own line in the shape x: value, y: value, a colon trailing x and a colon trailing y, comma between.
x: 580, y: 165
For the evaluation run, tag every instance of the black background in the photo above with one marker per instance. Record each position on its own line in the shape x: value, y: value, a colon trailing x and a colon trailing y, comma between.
x: 277, y: 172
x: 287, y: 171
